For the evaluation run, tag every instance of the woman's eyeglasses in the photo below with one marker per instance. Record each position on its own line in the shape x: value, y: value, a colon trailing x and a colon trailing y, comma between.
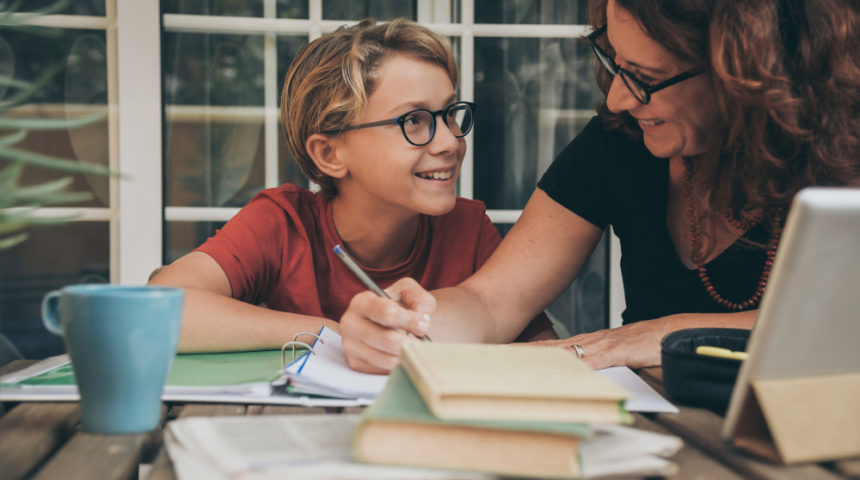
x: 419, y: 126
x: 639, y: 88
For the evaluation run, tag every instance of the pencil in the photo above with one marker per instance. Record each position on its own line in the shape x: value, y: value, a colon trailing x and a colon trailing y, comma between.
x: 365, y: 279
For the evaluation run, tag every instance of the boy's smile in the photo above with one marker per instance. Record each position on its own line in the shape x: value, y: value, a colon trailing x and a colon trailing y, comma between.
x: 385, y: 171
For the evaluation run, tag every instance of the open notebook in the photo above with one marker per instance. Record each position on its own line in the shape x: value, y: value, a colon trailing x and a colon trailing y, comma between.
x: 324, y: 372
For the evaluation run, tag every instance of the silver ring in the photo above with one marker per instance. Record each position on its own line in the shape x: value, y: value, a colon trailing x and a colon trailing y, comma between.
x: 579, y: 351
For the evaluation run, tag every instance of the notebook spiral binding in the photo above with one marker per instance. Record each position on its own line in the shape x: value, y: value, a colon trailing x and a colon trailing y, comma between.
x: 295, y: 342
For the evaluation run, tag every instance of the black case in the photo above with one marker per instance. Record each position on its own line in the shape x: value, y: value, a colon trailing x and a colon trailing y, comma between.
x: 700, y: 380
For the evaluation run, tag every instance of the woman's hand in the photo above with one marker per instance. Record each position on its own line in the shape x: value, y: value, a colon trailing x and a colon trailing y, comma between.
x: 635, y: 345
x: 374, y: 328
x: 638, y: 344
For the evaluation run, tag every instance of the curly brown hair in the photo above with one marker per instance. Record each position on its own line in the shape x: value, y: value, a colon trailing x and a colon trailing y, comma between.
x: 786, y: 75
x: 331, y: 78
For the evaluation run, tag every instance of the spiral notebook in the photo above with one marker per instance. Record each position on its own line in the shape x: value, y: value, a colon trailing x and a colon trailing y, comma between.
x: 323, y: 370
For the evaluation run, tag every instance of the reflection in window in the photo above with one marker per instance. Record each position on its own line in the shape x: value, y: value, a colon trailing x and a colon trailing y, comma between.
x: 182, y: 237
x: 76, y: 7
x: 534, y: 94
x: 247, y: 8
x: 214, y: 98
x: 71, y: 66
x: 51, y: 258
x: 558, y: 12
x: 358, y: 9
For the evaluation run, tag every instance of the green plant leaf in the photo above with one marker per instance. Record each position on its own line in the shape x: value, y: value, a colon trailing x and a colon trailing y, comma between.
x: 9, y: 242
x: 17, y: 218
x: 7, y: 20
x: 50, y: 123
x: 53, y: 163
x: 13, y: 225
x: 13, y: 138
x: 9, y: 177
x: 32, y: 89
x: 11, y: 82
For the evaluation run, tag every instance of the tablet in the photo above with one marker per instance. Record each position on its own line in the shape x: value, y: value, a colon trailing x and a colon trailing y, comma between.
x: 808, y: 323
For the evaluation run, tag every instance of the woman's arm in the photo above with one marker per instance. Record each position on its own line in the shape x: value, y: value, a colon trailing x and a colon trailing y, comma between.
x: 637, y: 344
x: 535, y: 262
x: 214, y: 321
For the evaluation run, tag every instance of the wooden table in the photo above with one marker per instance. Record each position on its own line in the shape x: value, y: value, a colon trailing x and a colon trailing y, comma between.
x: 44, y: 441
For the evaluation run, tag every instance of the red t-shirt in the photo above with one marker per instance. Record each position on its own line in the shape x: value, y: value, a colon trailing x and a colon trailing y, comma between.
x: 278, y: 250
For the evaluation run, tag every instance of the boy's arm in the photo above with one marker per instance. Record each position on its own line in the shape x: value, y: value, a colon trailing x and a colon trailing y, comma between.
x: 214, y: 321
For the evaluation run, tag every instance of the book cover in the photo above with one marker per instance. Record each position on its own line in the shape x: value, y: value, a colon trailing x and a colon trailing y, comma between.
x: 399, y: 429
x: 459, y: 380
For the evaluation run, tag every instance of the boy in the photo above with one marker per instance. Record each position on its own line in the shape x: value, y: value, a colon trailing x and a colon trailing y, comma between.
x: 371, y: 116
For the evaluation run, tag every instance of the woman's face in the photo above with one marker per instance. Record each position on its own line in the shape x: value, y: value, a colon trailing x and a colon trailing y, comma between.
x: 680, y: 119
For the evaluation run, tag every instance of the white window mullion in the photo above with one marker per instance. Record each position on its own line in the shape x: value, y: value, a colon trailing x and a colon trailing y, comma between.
x: 467, y: 91
x: 270, y: 102
x: 113, y: 143
x: 140, y: 206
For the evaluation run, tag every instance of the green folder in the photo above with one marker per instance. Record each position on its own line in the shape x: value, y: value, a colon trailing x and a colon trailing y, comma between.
x: 195, y: 370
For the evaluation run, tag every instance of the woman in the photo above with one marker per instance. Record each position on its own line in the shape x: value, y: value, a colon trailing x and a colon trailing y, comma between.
x: 716, y: 114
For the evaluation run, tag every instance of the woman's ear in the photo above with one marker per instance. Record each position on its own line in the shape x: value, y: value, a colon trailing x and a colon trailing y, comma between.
x: 323, y: 151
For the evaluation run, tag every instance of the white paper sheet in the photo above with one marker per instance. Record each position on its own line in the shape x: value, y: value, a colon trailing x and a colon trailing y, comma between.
x: 319, y: 446
x: 643, y: 397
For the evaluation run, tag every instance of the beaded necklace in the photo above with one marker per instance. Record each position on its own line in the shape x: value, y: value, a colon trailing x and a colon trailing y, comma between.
x: 742, y: 224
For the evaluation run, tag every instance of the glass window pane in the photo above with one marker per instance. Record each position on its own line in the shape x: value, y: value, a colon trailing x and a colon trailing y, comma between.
x: 535, y: 95
x: 292, y: 8
x: 51, y: 258
x: 76, y: 7
x: 556, y: 12
x: 233, y: 8
x: 213, y: 69
x: 288, y: 170
x: 358, y: 9
x: 213, y: 162
x: 214, y: 131
x: 214, y: 7
x: 584, y: 306
x: 182, y: 237
x: 68, y: 69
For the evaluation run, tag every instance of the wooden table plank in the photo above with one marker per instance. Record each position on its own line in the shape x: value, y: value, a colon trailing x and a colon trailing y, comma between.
x: 692, y: 462
x: 32, y: 432
x: 291, y: 410
x: 212, y: 410
x: 89, y: 455
x: 703, y: 428
x: 849, y: 468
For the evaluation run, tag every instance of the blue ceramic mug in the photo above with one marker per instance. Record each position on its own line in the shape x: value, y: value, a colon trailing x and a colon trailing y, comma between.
x: 122, y: 341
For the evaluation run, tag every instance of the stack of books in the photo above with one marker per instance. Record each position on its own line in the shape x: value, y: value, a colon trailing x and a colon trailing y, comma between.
x: 500, y: 409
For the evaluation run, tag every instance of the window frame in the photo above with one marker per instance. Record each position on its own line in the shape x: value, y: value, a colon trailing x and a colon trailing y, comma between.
x: 134, y: 31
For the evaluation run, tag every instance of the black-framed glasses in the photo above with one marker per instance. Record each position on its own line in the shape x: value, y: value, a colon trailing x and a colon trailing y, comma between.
x: 419, y: 126
x: 640, y: 89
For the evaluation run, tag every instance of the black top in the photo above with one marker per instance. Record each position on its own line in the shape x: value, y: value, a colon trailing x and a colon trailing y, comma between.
x: 608, y: 178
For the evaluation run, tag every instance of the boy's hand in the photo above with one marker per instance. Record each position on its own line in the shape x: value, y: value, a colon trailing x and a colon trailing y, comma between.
x: 374, y: 328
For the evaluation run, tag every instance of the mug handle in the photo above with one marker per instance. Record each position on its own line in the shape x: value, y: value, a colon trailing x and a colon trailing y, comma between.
x: 50, y: 312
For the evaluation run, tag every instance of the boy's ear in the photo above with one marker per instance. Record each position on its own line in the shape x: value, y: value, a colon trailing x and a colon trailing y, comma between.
x: 323, y: 152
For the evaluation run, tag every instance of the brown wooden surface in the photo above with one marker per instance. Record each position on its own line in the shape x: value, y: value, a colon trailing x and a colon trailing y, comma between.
x: 88, y: 456
x: 44, y: 441
x: 704, y: 428
x: 692, y: 462
x: 31, y: 433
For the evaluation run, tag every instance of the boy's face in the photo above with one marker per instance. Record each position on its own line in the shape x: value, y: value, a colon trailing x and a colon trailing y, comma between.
x: 385, y: 170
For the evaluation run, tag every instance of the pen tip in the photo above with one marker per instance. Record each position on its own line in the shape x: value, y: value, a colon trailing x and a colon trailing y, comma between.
x: 337, y: 249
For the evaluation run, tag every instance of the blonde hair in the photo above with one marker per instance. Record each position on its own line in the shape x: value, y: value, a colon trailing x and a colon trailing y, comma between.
x: 331, y: 78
